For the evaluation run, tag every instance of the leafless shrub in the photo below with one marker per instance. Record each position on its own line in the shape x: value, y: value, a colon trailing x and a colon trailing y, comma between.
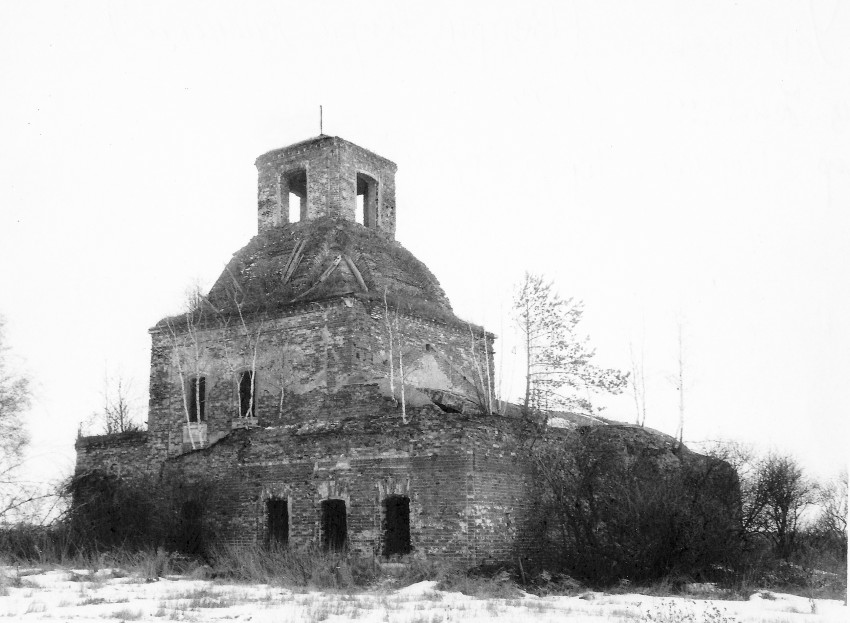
x: 617, y: 513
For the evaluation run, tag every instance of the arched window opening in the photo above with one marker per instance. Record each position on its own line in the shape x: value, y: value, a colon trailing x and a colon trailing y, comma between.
x: 293, y: 195
x: 396, y: 525
x: 366, y: 209
x: 197, y: 399
x: 247, y: 395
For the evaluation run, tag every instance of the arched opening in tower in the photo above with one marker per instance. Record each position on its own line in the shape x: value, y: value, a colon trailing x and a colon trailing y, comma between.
x: 293, y: 195
x: 366, y: 208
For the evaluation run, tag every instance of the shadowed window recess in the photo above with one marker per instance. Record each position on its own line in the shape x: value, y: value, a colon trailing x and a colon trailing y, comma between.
x: 334, y: 525
x: 197, y: 399
x: 247, y: 395
x: 277, y: 521
x: 396, y: 525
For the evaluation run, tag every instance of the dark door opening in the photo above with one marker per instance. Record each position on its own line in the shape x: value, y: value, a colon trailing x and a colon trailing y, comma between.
x: 277, y: 520
x: 334, y: 526
x: 190, y: 538
x: 396, y: 525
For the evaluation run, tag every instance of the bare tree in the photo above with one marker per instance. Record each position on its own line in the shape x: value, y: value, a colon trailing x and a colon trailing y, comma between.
x: 678, y: 382
x: 786, y: 492
x: 14, y: 401
x: 559, y: 370
x: 400, y: 354
x: 638, y: 384
x: 389, y: 326
x: 483, y: 383
x: 747, y: 466
x: 116, y: 414
x: 251, y: 330
x: 832, y: 498
x: 15, y: 493
x: 774, y: 495
x: 237, y: 312
x: 611, y: 515
x: 401, y: 377
x: 830, y: 527
x: 186, y: 356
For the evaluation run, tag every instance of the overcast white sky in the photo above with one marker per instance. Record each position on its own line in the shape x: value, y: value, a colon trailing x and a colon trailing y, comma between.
x: 656, y: 159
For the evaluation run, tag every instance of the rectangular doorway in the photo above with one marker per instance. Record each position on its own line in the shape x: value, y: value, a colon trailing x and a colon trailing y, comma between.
x: 396, y: 525
x: 277, y: 521
x: 334, y: 525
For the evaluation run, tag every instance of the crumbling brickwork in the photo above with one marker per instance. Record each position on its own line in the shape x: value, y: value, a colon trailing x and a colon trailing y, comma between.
x: 465, y: 501
x: 301, y: 361
x: 323, y: 322
x: 126, y: 455
x: 331, y: 165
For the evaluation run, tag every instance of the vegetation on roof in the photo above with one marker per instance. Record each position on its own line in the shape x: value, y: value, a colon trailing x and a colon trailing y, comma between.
x: 320, y: 260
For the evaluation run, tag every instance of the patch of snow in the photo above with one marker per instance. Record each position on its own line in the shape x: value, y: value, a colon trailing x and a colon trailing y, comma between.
x: 82, y: 596
x: 420, y: 588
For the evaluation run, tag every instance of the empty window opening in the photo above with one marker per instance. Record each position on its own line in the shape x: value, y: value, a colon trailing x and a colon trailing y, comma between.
x: 366, y: 211
x: 358, y: 209
x: 396, y: 525
x: 277, y: 521
x: 334, y: 526
x: 293, y: 195
x: 197, y: 399
x: 247, y: 394
x: 190, y: 537
x: 294, y: 208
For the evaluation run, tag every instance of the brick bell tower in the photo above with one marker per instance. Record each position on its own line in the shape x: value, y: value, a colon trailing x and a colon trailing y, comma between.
x: 326, y: 176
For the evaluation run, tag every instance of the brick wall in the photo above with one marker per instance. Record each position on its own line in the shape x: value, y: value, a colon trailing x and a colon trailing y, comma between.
x: 466, y: 489
x: 126, y: 455
x: 332, y: 165
x: 467, y: 497
x: 302, y: 362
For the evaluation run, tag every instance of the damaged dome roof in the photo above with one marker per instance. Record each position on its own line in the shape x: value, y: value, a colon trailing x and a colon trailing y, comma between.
x: 323, y: 258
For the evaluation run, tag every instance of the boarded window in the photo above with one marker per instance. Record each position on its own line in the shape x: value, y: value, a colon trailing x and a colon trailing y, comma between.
x: 190, y: 538
x: 277, y: 520
x: 396, y: 525
x: 334, y: 525
x: 247, y: 395
x: 197, y: 399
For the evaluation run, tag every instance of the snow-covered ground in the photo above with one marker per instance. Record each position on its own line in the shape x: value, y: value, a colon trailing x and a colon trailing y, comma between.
x: 80, y: 595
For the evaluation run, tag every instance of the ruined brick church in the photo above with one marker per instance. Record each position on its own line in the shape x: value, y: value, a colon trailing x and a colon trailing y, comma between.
x: 323, y: 391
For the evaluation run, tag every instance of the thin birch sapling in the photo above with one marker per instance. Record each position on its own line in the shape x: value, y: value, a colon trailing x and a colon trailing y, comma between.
x: 559, y: 372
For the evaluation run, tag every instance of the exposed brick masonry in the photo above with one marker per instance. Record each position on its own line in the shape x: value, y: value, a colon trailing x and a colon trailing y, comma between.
x: 326, y: 313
